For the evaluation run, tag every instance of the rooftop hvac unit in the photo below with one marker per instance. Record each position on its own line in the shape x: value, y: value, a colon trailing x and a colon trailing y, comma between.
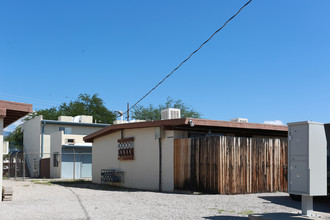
x: 170, y: 113
x: 241, y: 120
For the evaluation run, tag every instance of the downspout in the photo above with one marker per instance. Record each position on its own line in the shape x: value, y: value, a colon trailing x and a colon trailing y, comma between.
x: 160, y: 163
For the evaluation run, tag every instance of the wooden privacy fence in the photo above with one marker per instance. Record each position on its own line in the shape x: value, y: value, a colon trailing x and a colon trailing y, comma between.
x: 231, y: 165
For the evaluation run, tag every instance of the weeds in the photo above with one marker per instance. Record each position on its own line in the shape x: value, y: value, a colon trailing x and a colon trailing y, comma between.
x: 246, y: 212
x: 221, y: 211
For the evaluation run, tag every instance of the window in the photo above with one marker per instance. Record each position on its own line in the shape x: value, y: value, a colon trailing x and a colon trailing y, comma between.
x: 71, y: 141
x: 126, y: 149
x: 55, y: 159
x: 66, y: 130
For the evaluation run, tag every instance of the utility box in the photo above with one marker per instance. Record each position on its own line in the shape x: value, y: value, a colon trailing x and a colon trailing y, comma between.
x: 307, y: 159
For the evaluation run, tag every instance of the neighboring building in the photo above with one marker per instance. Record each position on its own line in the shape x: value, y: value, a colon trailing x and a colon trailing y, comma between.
x: 69, y: 152
x: 143, y: 151
x: 41, y: 138
x: 9, y: 113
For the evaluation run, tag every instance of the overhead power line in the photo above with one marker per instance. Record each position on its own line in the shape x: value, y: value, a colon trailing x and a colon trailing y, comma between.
x: 189, y: 56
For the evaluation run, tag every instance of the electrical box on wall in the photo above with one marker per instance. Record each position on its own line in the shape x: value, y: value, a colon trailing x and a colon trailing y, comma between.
x: 307, y: 159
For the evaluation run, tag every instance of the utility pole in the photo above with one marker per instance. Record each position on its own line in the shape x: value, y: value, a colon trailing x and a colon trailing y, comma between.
x: 127, y: 117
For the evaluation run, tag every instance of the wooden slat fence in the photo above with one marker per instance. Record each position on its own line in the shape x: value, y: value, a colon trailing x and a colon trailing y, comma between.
x: 231, y: 165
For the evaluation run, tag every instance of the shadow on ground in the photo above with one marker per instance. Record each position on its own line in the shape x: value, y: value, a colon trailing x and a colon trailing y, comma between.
x: 321, y: 204
x: 89, y: 185
x: 223, y: 217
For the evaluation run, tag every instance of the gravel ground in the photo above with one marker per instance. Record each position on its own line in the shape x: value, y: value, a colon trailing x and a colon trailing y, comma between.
x: 38, y: 199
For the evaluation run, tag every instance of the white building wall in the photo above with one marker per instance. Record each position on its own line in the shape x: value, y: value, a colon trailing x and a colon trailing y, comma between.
x: 56, y: 147
x: 76, y: 130
x: 31, y: 143
x: 31, y: 135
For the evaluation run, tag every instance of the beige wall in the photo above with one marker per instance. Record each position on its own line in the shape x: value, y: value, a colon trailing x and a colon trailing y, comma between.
x: 143, y: 172
x: 140, y: 173
x: 56, y: 147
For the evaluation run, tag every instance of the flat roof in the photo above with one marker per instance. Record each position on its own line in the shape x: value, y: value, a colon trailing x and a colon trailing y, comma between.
x: 12, y: 111
x: 74, y: 123
x: 199, y: 125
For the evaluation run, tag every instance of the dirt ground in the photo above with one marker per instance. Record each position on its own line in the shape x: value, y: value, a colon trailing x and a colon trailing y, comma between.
x: 49, y: 199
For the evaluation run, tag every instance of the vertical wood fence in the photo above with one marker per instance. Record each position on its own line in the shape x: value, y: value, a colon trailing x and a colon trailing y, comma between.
x: 231, y: 165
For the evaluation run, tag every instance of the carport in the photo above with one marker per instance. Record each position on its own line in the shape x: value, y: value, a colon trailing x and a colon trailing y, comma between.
x: 9, y: 113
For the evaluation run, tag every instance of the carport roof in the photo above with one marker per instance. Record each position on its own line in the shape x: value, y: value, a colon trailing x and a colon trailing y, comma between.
x: 199, y: 125
x: 12, y: 111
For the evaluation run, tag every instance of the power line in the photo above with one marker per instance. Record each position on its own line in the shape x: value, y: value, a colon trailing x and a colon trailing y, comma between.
x: 24, y: 98
x: 189, y: 56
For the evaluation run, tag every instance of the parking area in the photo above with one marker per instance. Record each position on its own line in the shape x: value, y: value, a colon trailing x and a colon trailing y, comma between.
x: 49, y: 199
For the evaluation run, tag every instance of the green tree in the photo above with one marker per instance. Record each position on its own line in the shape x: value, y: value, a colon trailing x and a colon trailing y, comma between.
x: 15, y: 139
x: 84, y: 105
x: 154, y: 113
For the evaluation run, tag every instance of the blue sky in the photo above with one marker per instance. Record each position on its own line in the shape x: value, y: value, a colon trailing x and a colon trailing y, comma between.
x: 270, y: 63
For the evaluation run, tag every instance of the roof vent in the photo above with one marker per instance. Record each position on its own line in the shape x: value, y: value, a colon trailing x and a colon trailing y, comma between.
x: 170, y: 113
x: 241, y: 120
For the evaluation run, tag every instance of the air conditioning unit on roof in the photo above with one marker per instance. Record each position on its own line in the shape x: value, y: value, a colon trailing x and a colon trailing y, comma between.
x: 170, y: 113
x: 241, y: 120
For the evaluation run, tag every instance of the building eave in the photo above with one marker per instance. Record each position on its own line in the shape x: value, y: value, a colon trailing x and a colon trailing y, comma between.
x: 185, y: 124
x: 12, y: 111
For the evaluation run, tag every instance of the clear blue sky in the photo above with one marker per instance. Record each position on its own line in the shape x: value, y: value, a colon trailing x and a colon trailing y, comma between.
x: 271, y: 63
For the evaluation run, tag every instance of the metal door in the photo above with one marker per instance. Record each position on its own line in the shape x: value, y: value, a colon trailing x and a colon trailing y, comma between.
x: 86, y: 165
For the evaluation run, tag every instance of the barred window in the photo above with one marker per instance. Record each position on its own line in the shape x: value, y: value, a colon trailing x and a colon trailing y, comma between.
x: 55, y: 159
x: 126, y: 149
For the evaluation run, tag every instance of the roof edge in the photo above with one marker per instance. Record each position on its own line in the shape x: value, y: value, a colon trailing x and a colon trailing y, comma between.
x: 73, y: 123
x: 182, y: 121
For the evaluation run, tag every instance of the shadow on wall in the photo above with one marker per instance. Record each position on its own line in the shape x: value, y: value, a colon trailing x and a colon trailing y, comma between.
x: 225, y: 217
x: 321, y: 203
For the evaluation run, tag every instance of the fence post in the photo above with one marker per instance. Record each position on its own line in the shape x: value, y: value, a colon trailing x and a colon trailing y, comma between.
x: 74, y: 165
x: 16, y: 165
x: 23, y: 165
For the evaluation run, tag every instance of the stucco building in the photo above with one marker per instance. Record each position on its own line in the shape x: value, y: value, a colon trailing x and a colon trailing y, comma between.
x: 54, y: 148
x: 142, y: 152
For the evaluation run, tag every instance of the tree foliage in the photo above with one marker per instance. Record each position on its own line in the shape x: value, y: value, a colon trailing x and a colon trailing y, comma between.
x: 84, y: 105
x: 154, y: 113
x: 15, y: 139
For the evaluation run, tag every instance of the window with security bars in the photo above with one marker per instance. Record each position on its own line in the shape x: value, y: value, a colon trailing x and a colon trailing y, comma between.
x: 126, y: 148
x: 55, y: 159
